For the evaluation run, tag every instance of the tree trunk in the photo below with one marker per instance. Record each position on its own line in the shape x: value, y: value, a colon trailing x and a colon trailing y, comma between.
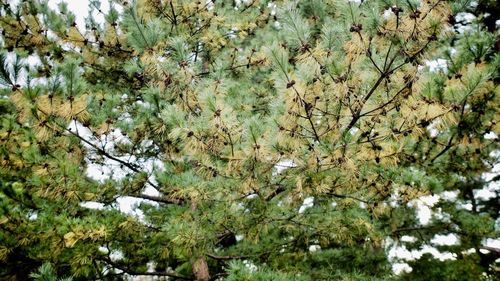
x: 200, y: 270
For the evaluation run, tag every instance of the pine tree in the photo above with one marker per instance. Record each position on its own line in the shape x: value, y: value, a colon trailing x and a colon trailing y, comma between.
x: 283, y: 140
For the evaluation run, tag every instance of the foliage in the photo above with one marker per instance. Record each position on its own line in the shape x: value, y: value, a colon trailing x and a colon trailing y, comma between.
x: 46, y: 273
x: 283, y: 140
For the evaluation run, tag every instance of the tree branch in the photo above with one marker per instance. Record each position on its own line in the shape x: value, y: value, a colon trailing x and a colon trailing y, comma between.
x: 169, y: 273
x: 160, y: 199
x: 227, y: 257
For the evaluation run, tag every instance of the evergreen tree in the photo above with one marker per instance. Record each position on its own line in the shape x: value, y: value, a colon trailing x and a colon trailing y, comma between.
x: 283, y: 140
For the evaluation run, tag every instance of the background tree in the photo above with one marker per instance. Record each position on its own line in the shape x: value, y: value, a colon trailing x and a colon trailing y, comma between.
x: 267, y: 141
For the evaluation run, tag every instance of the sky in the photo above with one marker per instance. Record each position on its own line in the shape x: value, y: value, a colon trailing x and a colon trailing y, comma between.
x: 80, y: 8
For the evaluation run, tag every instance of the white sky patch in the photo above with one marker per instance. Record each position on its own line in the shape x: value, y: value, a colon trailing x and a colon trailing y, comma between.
x: 466, y: 206
x: 445, y: 240
x: 238, y: 3
x: 308, y: 203
x: 464, y: 21
x: 449, y: 195
x: 151, y: 266
x: 437, y: 65
x: 283, y: 165
x: 397, y: 253
x: 495, y: 153
x: 252, y: 196
x: 408, y: 239
x: 81, y: 10
x: 401, y: 267
x: 442, y: 256
x: 429, y: 200
x: 232, y: 33
x: 491, y: 136
x: 491, y: 242
x: 144, y: 104
x: 210, y: 5
x: 92, y: 205
x: 485, y: 193
x: 494, y: 171
x: 128, y: 205
x: 151, y: 191
x: 314, y: 248
x: 283, y: 248
x: 393, y: 200
x: 387, y: 14
x: 433, y: 132
x: 465, y: 17
x: 490, y: 190
x: 115, y: 255
x: 32, y: 215
x: 423, y: 205
x: 272, y: 7
x: 51, y: 35
x: 126, y: 118
x: 33, y: 61
x: 441, y: 216
x: 469, y: 251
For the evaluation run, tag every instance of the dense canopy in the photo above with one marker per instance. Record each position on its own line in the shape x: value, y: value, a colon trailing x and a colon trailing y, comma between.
x: 248, y: 140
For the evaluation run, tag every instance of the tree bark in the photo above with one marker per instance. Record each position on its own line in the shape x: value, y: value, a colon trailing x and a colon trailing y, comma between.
x: 200, y: 270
